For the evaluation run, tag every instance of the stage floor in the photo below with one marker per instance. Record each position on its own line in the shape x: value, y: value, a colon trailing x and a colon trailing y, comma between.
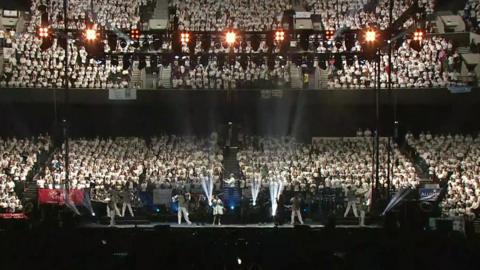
x: 226, y: 226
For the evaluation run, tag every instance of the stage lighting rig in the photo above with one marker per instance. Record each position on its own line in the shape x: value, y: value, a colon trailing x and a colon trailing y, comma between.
x: 185, y: 38
x: 329, y: 34
x: 231, y: 38
x: 44, y: 32
x: 279, y: 35
x: 418, y: 35
x: 90, y: 34
x: 135, y: 34
x: 371, y: 36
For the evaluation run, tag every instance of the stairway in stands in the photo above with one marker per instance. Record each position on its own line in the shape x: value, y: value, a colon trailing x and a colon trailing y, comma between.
x: 136, y: 80
x: 230, y: 163
x: 30, y: 191
x: 159, y: 19
x: 231, y: 195
x: 323, y: 79
x: 296, y: 77
x: 420, y: 166
x: 165, y: 77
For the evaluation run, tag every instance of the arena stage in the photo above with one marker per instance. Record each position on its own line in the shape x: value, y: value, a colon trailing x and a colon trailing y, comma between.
x: 226, y: 226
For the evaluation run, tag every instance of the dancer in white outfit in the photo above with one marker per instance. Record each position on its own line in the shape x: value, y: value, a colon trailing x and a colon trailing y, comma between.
x: 182, y: 200
x: 352, y: 202
x: 296, y: 207
x: 217, y: 205
x: 127, y: 202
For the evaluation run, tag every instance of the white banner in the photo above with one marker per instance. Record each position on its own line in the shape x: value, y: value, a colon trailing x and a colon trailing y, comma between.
x: 303, y: 15
x: 122, y: 94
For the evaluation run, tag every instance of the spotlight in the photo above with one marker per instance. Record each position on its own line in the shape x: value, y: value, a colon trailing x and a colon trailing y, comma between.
x: 370, y: 36
x: 231, y: 37
x: 93, y: 214
x: 184, y: 38
x: 232, y: 207
x: 90, y: 34
x: 418, y: 35
x: 239, y: 261
x: 43, y: 32
x: 329, y: 34
x: 157, y: 210
x: 135, y: 34
x: 279, y: 35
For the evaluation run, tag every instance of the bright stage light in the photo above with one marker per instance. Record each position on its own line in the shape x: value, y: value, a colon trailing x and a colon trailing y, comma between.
x: 370, y: 36
x: 184, y: 38
x: 276, y: 188
x: 207, y: 186
x: 90, y: 34
x: 418, y: 35
x: 279, y: 35
x: 256, y: 185
x: 231, y: 38
x: 43, y: 32
x: 329, y: 34
x: 135, y: 34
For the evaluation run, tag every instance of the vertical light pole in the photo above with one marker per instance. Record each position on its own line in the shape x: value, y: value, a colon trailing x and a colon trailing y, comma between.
x: 390, y: 150
x: 377, y: 129
x: 371, y: 39
x: 67, y: 100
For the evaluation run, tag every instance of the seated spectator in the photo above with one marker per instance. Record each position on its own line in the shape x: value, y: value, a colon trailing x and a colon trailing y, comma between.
x: 17, y: 160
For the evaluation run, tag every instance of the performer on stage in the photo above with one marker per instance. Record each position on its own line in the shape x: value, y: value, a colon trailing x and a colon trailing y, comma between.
x: 231, y: 182
x: 127, y: 202
x: 296, y: 209
x: 280, y: 217
x: 365, y: 193
x: 217, y: 205
x: 352, y: 201
x: 112, y: 202
x: 202, y: 209
x: 111, y: 205
x: 182, y: 200
x: 363, y: 210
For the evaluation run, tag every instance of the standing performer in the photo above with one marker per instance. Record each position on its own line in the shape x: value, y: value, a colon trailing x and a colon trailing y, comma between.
x: 127, y: 202
x: 280, y: 217
x: 202, y: 209
x: 352, y: 201
x: 182, y: 200
x: 296, y: 204
x: 111, y: 205
x: 364, y: 202
x: 112, y: 202
x: 217, y: 205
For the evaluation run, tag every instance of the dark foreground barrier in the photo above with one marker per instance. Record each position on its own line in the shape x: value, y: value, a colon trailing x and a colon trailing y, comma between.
x: 235, y: 248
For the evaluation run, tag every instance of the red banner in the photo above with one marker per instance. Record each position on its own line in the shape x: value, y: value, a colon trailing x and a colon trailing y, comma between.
x: 57, y: 196
x: 13, y: 216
